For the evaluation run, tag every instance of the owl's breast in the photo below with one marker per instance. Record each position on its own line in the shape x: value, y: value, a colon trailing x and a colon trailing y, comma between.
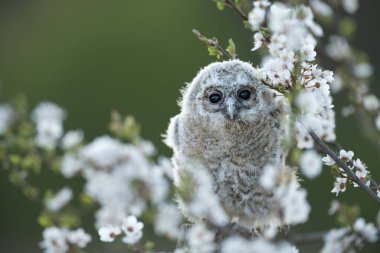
x: 242, y: 143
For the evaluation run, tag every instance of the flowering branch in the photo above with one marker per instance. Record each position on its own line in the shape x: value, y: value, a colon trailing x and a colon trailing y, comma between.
x: 343, y: 165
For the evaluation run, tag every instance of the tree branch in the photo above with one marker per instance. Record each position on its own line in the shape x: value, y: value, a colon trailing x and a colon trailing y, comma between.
x: 236, y: 8
x: 343, y: 165
x: 213, y: 43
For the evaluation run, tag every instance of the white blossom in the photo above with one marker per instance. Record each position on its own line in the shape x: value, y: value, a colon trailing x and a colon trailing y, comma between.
x: 104, y: 152
x: 72, y: 139
x: 132, y: 229
x: 360, y: 165
x: 268, y: 178
x: 258, y: 39
x: 367, y: 230
x: 293, y: 201
x: 351, y: 6
x: 334, y: 207
x: 362, y: 70
x: 54, y: 240
x: 371, y: 103
x: 47, y: 111
x: 337, y: 84
x: 256, y: 17
x: 339, y: 185
x: 78, y: 237
x: 311, y: 164
x: 48, y: 133
x: 338, y: 48
x: 108, y: 234
x: 327, y: 160
x: 200, y: 239
x: 377, y: 121
x: 336, y: 241
x: 70, y: 165
x: 346, y: 156
x: 7, y: 115
x: 60, y: 199
x: 308, y: 52
x: 168, y: 220
x: 238, y: 244
x: 321, y: 8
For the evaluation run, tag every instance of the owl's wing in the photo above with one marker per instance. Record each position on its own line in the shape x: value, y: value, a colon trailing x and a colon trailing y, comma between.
x: 171, y: 138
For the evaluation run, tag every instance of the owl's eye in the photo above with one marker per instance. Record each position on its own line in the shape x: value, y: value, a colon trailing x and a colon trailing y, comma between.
x: 215, y: 98
x: 244, y: 94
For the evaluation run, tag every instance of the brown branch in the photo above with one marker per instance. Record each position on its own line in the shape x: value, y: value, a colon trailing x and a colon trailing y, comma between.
x: 343, y: 165
x: 236, y: 8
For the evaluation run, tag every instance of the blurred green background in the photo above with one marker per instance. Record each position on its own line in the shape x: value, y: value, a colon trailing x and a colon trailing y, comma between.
x: 92, y: 56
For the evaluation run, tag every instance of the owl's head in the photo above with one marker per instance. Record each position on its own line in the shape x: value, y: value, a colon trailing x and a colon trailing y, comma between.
x: 231, y: 90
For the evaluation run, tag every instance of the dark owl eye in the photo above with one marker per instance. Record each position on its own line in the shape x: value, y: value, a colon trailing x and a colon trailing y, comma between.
x: 215, y: 98
x: 244, y: 94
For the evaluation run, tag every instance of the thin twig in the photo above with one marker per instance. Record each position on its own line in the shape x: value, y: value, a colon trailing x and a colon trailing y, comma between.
x: 307, y: 238
x: 213, y: 43
x: 236, y: 8
x: 343, y: 165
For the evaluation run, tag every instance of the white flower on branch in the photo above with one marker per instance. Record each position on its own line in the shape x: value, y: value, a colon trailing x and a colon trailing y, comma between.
x: 362, y: 70
x: 367, y: 230
x: 48, y: 133
x: 359, y: 165
x: 256, y: 16
x: 311, y: 164
x: 103, y: 152
x: 334, y: 207
x: 54, y: 240
x: 351, y: 6
x: 58, y: 240
x: 63, y: 197
x: 72, y: 139
x: 238, y: 244
x: 108, y: 234
x: 338, y: 48
x: 70, y: 165
x: 7, y: 115
x: 132, y: 229
x: 336, y: 241
x: 346, y: 156
x: 377, y: 121
x: 327, y: 160
x: 258, y: 39
x: 268, y: 178
x: 168, y: 220
x: 371, y: 103
x: 47, y: 111
x: 339, y: 185
x: 200, y: 239
x: 78, y: 237
x: 293, y: 201
x: 321, y: 8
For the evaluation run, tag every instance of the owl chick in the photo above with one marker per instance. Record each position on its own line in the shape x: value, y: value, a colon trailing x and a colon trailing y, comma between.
x: 231, y: 124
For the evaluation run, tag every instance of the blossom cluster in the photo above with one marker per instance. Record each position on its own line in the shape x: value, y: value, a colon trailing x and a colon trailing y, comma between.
x: 130, y: 226
x: 356, y: 165
x: 342, y: 239
x: 58, y: 240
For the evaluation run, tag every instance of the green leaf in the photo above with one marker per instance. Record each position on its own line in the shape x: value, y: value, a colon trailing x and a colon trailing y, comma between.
x: 220, y: 5
x: 44, y: 220
x: 231, y: 49
x: 347, y: 27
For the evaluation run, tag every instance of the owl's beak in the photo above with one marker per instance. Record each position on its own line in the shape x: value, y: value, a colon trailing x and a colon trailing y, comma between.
x: 231, y: 109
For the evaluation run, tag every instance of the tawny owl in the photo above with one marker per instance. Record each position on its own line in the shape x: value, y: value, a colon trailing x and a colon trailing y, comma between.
x: 231, y: 124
